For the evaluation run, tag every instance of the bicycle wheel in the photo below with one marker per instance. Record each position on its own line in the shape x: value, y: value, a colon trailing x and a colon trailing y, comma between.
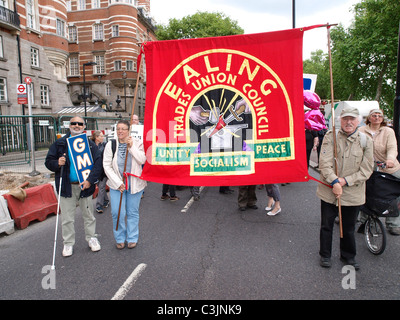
x: 375, y: 235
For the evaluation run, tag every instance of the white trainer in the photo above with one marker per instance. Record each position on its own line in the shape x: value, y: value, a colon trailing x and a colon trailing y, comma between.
x: 94, y: 244
x: 67, y: 251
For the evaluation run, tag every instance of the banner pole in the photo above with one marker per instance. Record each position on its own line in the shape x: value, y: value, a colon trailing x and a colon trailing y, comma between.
x: 130, y: 128
x: 333, y: 124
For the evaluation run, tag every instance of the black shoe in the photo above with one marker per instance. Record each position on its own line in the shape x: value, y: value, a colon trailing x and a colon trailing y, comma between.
x: 242, y: 208
x: 99, y: 210
x: 253, y: 207
x: 325, y: 262
x: 351, y: 262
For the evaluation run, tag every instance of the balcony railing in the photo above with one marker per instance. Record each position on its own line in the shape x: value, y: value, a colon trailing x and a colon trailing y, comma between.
x: 9, y: 19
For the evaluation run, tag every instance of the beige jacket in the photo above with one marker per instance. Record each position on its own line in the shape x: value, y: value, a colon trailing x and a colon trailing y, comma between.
x: 110, y: 166
x: 355, y: 164
x: 385, y: 146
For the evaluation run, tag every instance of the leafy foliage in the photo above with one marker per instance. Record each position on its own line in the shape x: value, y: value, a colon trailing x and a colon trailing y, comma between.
x: 364, y: 57
x: 199, y: 25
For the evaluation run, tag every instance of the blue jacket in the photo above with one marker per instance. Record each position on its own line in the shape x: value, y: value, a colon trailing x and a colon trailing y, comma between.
x: 57, y: 149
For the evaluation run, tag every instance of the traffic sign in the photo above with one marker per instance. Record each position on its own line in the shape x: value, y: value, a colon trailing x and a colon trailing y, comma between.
x: 28, y: 80
x: 21, y: 88
x: 22, y: 100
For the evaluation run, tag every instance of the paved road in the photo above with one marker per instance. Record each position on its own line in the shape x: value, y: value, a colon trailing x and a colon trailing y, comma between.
x: 213, y: 251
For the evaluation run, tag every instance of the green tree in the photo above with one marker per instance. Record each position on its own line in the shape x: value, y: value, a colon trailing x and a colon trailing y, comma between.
x: 365, y: 55
x: 199, y: 25
x: 318, y: 64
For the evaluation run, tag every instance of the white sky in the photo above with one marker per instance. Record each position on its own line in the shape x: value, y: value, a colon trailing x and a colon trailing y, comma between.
x: 256, y: 16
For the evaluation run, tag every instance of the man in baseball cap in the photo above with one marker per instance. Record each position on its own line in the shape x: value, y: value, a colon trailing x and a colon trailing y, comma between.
x: 349, y: 112
x: 354, y: 166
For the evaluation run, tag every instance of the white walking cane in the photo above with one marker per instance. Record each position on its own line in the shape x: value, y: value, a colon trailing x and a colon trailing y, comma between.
x: 58, y: 211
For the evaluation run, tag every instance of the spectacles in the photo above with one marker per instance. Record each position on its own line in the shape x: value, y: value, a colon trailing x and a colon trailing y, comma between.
x: 377, y: 116
x: 74, y: 123
x: 122, y: 129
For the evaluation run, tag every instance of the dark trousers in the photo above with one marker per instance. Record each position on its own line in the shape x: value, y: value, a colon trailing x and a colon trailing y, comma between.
x: 169, y: 187
x: 348, y: 242
x: 247, y: 196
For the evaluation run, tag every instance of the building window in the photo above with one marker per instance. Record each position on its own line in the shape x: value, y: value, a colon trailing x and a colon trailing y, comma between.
x: 100, y: 67
x: 73, y: 66
x: 108, y: 89
x: 95, y: 4
x: 60, y: 28
x: 44, y: 95
x: 68, y: 3
x: 3, y: 90
x: 30, y: 14
x: 72, y: 34
x: 130, y: 65
x: 117, y: 65
x: 81, y: 4
x: 35, y: 57
x: 98, y: 31
x: 115, y: 30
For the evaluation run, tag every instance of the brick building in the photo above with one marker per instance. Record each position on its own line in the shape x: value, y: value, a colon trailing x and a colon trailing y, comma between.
x: 56, y: 42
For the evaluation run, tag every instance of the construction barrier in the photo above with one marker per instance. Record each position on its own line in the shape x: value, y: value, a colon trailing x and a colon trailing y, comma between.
x: 40, y: 201
x: 6, y: 223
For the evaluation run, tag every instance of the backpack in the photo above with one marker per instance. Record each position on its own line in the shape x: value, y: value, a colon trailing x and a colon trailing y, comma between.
x: 113, y: 148
x: 363, y: 139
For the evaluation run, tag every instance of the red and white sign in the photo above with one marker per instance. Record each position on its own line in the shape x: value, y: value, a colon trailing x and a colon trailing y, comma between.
x: 22, y: 95
x: 21, y: 88
x: 28, y: 80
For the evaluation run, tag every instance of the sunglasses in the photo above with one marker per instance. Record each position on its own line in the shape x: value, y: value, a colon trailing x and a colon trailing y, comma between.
x: 76, y: 123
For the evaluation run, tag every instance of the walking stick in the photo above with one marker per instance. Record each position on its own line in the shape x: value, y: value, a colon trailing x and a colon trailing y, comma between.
x: 58, y: 211
x: 333, y: 125
x: 130, y: 125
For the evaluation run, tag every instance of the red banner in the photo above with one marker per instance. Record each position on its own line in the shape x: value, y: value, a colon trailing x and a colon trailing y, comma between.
x: 226, y: 110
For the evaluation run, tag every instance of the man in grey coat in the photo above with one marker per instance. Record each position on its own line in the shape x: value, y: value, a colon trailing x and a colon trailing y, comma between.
x: 355, y: 164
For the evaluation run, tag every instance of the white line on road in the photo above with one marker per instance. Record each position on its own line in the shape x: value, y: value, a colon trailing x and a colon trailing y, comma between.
x: 121, y: 293
x: 187, y: 206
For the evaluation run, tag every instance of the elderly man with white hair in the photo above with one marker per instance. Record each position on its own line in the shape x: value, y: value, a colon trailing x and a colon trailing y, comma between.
x: 343, y: 176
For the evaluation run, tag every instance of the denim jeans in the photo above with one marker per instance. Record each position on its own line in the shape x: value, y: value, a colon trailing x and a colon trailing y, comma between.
x: 273, y: 191
x: 128, y: 227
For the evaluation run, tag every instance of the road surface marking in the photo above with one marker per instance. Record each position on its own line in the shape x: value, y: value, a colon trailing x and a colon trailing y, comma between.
x: 121, y: 293
x: 187, y: 206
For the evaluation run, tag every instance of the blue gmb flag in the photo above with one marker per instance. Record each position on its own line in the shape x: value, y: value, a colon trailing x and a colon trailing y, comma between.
x: 81, y: 156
